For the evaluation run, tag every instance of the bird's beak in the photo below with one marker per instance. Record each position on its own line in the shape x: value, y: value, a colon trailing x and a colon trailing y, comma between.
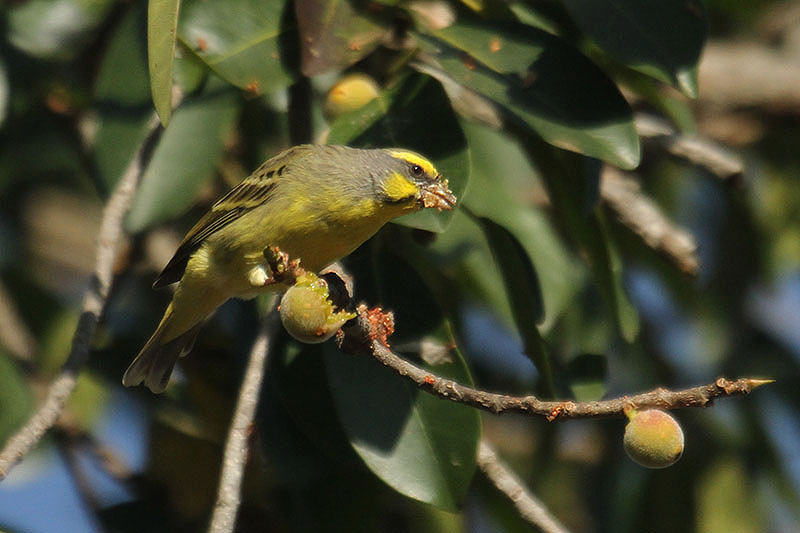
x: 437, y: 194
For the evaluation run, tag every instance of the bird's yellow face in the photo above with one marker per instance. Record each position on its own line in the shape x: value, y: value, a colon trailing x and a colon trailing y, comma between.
x: 413, y: 182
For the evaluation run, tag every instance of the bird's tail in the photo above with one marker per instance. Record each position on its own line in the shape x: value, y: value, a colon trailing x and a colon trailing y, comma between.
x: 155, y: 361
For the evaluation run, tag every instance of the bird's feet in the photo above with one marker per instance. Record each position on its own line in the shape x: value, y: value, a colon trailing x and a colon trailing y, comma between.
x: 278, y: 268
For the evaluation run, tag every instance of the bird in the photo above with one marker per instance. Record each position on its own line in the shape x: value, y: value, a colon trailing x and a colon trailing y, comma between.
x: 316, y: 203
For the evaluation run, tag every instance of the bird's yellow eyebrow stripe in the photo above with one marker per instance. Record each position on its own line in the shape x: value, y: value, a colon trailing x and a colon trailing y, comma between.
x: 415, y: 159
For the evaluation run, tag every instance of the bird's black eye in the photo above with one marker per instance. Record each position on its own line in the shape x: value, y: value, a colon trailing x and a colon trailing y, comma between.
x: 417, y: 171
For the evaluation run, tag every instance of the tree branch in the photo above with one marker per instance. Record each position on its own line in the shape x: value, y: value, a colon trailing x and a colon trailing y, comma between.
x: 716, y: 158
x: 223, y: 519
x: 528, y: 505
x: 633, y: 209
x: 94, y: 301
x: 363, y: 336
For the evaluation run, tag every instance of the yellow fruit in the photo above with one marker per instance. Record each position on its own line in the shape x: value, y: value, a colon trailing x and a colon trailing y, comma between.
x: 307, y: 312
x: 348, y: 94
x: 653, y: 438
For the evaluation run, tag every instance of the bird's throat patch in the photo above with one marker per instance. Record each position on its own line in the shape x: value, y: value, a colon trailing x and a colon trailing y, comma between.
x: 398, y: 188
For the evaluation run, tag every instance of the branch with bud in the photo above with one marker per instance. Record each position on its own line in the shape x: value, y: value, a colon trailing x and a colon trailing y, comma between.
x: 368, y: 331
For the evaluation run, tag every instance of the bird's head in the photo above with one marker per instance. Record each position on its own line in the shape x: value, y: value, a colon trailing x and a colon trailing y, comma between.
x: 409, y: 180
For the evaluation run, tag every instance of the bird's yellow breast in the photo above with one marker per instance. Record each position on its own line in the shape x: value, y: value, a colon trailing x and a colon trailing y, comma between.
x: 316, y: 234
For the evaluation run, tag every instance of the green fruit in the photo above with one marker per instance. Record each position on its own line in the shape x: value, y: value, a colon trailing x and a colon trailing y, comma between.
x: 653, y: 438
x: 307, y: 312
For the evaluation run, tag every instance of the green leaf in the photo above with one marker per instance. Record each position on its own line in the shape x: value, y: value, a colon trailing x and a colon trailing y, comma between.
x: 726, y: 498
x: 412, y: 114
x: 188, y: 71
x: 458, y: 267
x: 16, y: 398
x: 185, y: 157
x: 55, y: 29
x: 524, y: 293
x: 123, y: 99
x: 627, y: 317
x: 670, y: 104
x: 529, y: 16
x: 249, y: 43
x: 420, y: 445
x: 502, y: 182
x: 21, y: 158
x: 89, y: 400
x: 570, y: 182
x: 162, y: 21
x: 296, y: 412
x: 297, y: 376
x: 662, y: 38
x: 587, y: 375
x: 541, y: 83
x: 334, y: 35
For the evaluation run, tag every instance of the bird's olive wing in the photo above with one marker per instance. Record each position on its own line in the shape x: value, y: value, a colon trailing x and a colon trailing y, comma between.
x: 253, y: 191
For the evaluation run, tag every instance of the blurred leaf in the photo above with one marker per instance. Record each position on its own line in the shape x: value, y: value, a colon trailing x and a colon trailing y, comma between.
x: 725, y: 499
x: 89, y: 400
x: 542, y: 83
x: 55, y: 29
x: 662, y: 38
x: 184, y: 466
x: 627, y: 317
x: 385, y: 277
x: 185, y: 157
x: 123, y: 77
x: 334, y: 35
x: 37, y: 150
x: 517, y: 268
x: 463, y: 253
x: 529, y: 16
x: 56, y: 341
x: 189, y: 72
x: 317, y: 462
x: 123, y: 99
x: 162, y: 21
x: 412, y: 114
x: 249, y: 43
x: 420, y: 445
x: 672, y: 105
x: 571, y: 183
x: 298, y: 378
x: 502, y: 188
x: 16, y: 398
x: 587, y: 375
x: 524, y: 293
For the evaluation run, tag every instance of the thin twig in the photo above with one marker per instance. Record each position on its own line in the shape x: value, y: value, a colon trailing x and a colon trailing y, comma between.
x: 360, y: 337
x: 105, y: 457
x: 701, y: 151
x: 528, y: 505
x: 94, y: 301
x: 624, y: 197
x: 230, y: 480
